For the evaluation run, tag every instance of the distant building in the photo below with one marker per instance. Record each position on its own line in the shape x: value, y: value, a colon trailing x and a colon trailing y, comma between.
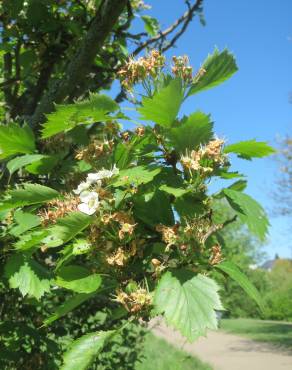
x: 270, y: 264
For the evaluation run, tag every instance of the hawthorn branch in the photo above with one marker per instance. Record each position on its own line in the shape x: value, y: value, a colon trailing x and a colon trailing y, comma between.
x: 80, y: 64
x: 161, y: 36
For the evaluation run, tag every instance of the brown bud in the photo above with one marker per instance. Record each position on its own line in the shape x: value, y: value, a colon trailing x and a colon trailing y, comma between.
x: 155, y: 262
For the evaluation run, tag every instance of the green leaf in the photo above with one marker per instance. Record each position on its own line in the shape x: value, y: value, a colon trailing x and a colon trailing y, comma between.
x: 16, y: 163
x: 44, y: 165
x: 15, y: 139
x: 151, y: 25
x: 154, y: 211
x: 25, y: 221
x: 188, y: 302
x: 164, y: 106
x: 66, y: 228
x: 189, y: 206
x: 219, y: 68
x: 249, y: 149
x: 233, y: 271
x: 239, y: 185
x: 30, y: 240
x: 191, y: 132
x: 249, y: 212
x: 177, y: 192
x: 136, y: 175
x: 228, y: 175
x: 69, y: 305
x: 27, y: 275
x: 27, y: 195
x: 84, y: 350
x: 78, y: 279
x: 66, y: 117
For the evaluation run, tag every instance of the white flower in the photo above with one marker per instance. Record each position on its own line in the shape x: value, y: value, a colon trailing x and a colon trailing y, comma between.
x: 102, y: 174
x: 93, y: 177
x: 81, y: 187
x: 90, y: 202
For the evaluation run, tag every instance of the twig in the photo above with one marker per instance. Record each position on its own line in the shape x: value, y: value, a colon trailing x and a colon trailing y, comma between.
x: 185, y: 18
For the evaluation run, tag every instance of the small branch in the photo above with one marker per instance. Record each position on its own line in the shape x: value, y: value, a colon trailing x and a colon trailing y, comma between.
x: 213, y: 229
x: 185, y: 18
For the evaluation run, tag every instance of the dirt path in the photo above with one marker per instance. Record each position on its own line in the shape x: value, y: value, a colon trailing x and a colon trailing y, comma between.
x: 229, y: 352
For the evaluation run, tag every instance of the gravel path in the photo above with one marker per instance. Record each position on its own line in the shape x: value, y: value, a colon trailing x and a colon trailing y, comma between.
x: 229, y: 352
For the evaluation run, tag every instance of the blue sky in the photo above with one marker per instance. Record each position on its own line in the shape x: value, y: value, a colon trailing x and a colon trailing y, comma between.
x: 254, y: 102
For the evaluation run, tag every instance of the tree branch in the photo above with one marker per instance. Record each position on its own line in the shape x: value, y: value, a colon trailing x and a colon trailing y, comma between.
x: 185, y: 19
x: 99, y: 29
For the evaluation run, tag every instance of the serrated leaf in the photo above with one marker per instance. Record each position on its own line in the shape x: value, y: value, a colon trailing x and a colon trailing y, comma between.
x: 177, y: 192
x: 191, y: 132
x: 84, y: 350
x: 250, y: 149
x: 164, y: 106
x: 27, y: 195
x: 25, y: 221
x: 31, y: 240
x: 249, y: 212
x: 154, y: 211
x: 27, y: 275
x: 68, y: 306
x: 66, y: 228
x: 15, y: 140
x: 234, y: 272
x: 44, y: 165
x: 136, y: 175
x: 151, y: 25
x: 188, y: 302
x: 78, y: 279
x: 66, y: 117
x: 219, y: 67
x: 228, y: 175
x: 16, y: 163
x: 239, y: 185
x: 189, y: 206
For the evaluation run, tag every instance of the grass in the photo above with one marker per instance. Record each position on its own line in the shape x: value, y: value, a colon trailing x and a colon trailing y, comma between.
x: 276, y: 333
x: 160, y: 355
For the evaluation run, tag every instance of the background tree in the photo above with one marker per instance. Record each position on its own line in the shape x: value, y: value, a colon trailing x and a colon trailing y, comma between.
x: 283, y: 193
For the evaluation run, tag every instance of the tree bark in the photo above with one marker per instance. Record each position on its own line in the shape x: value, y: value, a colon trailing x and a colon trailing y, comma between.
x: 80, y: 64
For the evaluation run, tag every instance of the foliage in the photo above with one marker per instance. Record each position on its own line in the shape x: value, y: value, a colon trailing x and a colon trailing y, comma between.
x: 125, y: 218
x: 282, y: 194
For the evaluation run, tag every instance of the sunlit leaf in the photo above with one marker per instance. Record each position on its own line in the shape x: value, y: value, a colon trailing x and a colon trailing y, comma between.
x: 164, y: 106
x: 66, y: 117
x: 234, y: 272
x: 219, y: 67
x: 191, y: 132
x: 249, y: 212
x: 26, y: 195
x: 188, y: 302
x: 15, y: 139
x: 84, y: 350
x: 250, y: 149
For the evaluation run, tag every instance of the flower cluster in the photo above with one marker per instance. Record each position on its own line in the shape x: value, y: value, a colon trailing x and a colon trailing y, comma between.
x: 181, y: 68
x: 58, y: 208
x: 194, y: 161
x: 135, y: 71
x: 88, y: 190
x: 136, y: 301
x: 95, y: 150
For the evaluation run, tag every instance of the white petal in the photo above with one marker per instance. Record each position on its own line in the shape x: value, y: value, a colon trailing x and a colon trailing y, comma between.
x: 89, y: 196
x: 81, y: 187
x: 93, y: 177
x: 83, y: 207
